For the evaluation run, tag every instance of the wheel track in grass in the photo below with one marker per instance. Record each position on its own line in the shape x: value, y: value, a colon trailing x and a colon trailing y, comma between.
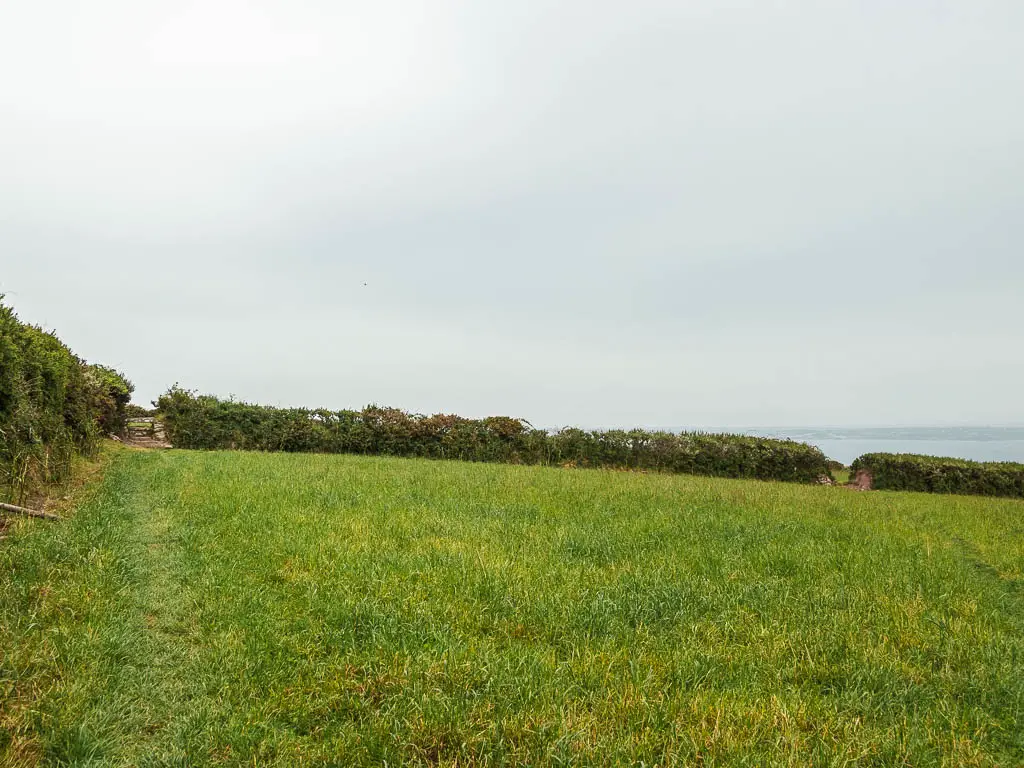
x: 103, y: 680
x: 162, y: 604
x: 1011, y: 588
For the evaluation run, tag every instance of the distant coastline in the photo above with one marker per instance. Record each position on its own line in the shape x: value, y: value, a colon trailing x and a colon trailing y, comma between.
x: 974, y: 443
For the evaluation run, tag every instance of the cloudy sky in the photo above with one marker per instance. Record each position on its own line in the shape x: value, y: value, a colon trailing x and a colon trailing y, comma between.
x: 602, y: 213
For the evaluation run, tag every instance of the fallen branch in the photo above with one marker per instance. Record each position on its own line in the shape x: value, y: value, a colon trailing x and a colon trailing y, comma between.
x: 29, y: 512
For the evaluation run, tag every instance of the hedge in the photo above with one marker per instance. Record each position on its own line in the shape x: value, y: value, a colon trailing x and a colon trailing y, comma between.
x: 52, y: 406
x: 931, y: 474
x: 207, y: 422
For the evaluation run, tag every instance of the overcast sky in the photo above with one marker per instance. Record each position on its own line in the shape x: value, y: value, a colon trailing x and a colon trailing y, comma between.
x: 597, y: 213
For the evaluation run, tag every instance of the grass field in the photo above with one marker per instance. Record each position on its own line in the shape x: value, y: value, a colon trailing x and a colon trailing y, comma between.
x: 244, y: 609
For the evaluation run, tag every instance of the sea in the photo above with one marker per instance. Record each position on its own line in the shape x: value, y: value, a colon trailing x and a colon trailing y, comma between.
x: 845, y: 445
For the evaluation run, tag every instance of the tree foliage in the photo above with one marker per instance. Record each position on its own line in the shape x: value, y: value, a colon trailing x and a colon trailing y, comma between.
x: 207, y: 422
x: 52, y: 405
x: 931, y: 474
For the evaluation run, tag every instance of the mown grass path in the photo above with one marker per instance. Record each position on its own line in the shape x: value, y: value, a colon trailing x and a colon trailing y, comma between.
x: 240, y: 609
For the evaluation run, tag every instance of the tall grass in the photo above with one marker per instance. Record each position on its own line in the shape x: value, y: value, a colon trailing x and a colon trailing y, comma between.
x: 233, y: 608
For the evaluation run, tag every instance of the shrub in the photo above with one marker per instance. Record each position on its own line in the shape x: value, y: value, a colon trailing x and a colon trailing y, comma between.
x: 112, y: 393
x: 133, y: 411
x: 207, y: 422
x: 52, y: 405
x: 930, y: 474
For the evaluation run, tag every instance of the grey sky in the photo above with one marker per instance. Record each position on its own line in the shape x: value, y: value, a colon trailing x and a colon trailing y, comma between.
x: 600, y: 213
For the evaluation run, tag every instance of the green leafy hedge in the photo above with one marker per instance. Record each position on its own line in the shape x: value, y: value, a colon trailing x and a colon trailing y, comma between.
x: 204, y: 421
x: 52, y: 405
x: 908, y: 472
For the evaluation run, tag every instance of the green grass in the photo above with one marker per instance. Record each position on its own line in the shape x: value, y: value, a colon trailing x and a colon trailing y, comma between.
x: 246, y: 609
x: 841, y: 476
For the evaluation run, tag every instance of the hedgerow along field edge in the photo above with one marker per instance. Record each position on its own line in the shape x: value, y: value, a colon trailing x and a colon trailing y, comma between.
x: 235, y: 608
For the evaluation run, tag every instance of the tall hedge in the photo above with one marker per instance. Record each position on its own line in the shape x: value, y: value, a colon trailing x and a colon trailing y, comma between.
x: 52, y: 405
x: 204, y: 421
x: 931, y: 474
